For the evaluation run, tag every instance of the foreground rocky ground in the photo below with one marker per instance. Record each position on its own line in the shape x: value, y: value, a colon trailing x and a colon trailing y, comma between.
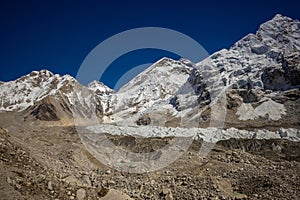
x: 51, y: 163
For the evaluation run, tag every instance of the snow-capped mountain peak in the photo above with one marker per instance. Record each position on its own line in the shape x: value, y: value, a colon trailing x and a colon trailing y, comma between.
x: 26, y: 90
x: 276, y: 43
x: 278, y: 35
x: 99, y: 88
x: 267, y: 60
x: 255, y: 70
x: 153, y: 87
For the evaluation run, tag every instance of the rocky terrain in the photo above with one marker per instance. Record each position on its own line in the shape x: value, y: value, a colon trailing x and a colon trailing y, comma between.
x: 244, y: 99
x: 52, y: 163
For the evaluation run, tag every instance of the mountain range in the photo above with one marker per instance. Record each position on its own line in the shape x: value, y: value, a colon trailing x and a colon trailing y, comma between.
x: 254, y: 84
x: 227, y: 127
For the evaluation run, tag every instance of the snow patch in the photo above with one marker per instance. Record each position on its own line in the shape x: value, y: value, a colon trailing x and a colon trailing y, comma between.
x: 208, y: 134
x: 269, y: 109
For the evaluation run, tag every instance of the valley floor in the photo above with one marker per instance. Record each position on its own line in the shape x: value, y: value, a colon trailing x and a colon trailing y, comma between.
x: 52, y: 163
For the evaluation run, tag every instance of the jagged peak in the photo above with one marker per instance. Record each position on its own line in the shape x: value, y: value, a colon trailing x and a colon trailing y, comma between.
x: 279, y: 22
x: 43, y: 72
x: 187, y: 62
x: 267, y: 30
x: 167, y: 62
x: 280, y: 17
x: 67, y: 77
x: 161, y: 63
x: 164, y: 59
x: 281, y: 33
x: 98, y: 86
x: 96, y: 83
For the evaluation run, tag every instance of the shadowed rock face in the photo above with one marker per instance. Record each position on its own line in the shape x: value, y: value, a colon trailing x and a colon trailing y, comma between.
x: 291, y: 65
x: 284, y: 78
x: 45, y: 112
x: 274, y: 79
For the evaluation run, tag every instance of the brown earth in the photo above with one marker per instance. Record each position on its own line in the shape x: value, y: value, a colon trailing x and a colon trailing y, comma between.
x: 52, y: 163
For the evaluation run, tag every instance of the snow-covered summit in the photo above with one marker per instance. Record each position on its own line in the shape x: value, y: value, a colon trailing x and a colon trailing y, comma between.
x: 99, y: 88
x: 26, y: 90
x: 154, y: 86
x: 278, y: 35
x: 248, y: 63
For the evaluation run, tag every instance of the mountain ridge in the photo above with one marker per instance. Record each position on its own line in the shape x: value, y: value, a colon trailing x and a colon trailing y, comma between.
x: 260, y: 71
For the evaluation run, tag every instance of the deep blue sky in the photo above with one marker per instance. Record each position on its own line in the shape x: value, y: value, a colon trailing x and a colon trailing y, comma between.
x: 58, y: 35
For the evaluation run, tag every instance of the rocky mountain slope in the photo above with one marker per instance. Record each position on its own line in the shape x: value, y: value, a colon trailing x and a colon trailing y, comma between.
x: 261, y: 76
x: 254, y: 84
x: 44, y: 96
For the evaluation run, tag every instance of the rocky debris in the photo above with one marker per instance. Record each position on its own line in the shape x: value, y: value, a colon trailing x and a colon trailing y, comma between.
x: 234, y: 169
x: 50, y: 186
x: 72, y: 180
x: 80, y: 194
x: 272, y: 149
x: 144, y: 120
x: 113, y: 194
x: 250, y: 96
x: 4, y: 132
x: 166, y: 193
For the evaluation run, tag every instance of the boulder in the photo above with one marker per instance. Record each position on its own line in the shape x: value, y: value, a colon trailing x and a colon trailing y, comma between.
x: 113, y: 194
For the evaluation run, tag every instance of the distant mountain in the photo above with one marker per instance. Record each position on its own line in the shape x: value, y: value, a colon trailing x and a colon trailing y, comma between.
x: 259, y: 76
x: 44, y: 96
x: 257, y: 79
x: 151, y: 90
